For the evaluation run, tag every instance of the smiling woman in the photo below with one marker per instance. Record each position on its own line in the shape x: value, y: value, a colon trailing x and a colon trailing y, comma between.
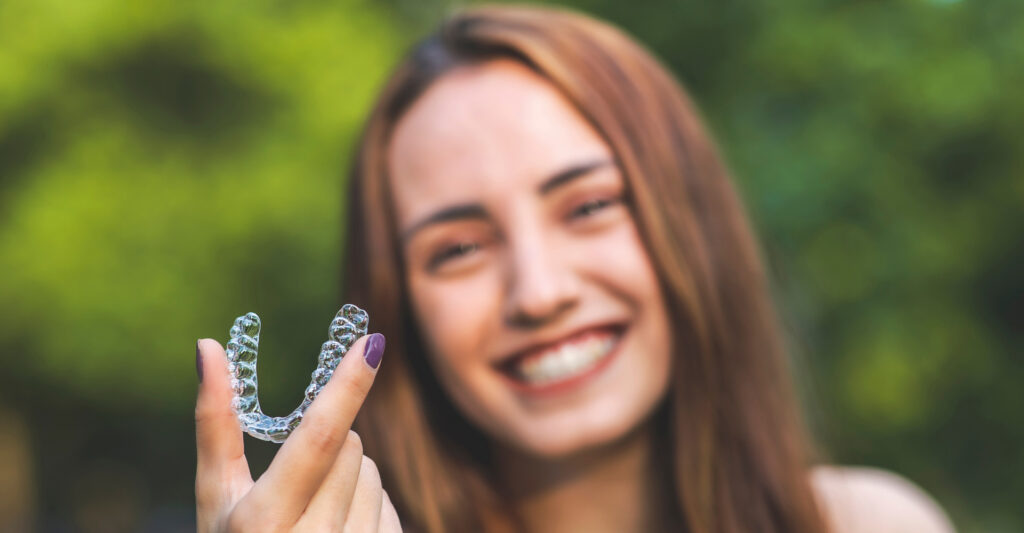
x: 539, y: 308
x: 580, y: 336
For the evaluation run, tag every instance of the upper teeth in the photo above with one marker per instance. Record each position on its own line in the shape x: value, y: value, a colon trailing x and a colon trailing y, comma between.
x: 565, y: 361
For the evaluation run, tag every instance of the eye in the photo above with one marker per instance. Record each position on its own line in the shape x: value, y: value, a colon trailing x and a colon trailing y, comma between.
x: 449, y: 253
x: 590, y: 207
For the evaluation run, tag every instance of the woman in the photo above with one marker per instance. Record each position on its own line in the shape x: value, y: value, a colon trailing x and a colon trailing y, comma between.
x: 579, y: 332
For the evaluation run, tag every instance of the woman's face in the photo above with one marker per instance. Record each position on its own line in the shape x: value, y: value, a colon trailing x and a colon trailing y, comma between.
x: 538, y: 302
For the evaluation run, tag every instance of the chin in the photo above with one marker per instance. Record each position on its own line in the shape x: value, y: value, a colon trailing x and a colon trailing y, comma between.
x: 604, y: 423
x: 571, y: 443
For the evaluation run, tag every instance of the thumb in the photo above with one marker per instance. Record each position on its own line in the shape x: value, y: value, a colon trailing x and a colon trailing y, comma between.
x: 219, y: 444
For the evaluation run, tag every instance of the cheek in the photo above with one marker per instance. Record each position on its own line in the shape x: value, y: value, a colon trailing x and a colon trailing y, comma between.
x: 455, y: 318
x: 619, y: 260
x: 619, y: 263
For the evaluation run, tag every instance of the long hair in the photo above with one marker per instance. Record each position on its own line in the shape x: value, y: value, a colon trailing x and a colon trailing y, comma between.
x: 734, y: 445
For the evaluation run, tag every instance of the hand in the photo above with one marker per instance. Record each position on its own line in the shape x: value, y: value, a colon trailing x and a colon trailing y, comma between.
x: 318, y: 481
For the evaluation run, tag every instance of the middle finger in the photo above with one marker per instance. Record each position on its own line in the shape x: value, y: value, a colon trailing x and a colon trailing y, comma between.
x: 364, y: 513
x: 304, y: 460
x: 330, y: 504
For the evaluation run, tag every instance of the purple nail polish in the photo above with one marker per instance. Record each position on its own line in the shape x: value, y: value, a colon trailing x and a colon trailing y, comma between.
x: 199, y: 363
x: 374, y: 350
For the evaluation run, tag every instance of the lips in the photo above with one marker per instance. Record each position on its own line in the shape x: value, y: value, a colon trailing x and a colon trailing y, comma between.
x: 562, y: 363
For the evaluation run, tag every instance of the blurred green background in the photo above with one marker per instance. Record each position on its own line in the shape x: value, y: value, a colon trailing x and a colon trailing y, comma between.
x: 166, y: 166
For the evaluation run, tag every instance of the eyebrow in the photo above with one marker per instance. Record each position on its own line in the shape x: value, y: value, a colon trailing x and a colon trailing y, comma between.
x: 455, y: 212
x: 477, y: 211
x: 570, y: 174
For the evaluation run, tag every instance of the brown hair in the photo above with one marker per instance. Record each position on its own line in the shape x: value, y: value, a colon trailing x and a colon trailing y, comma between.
x: 734, y: 443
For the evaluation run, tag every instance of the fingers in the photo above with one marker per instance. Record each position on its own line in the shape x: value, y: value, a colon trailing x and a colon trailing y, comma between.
x: 219, y: 445
x: 351, y: 497
x: 304, y: 460
x: 364, y: 513
x: 389, y: 522
x: 222, y: 473
x: 330, y: 505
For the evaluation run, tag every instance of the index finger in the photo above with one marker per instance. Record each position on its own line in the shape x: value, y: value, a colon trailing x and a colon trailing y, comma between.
x: 305, y: 458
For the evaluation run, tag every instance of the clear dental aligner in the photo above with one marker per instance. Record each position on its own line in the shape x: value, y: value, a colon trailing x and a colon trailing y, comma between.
x: 348, y: 325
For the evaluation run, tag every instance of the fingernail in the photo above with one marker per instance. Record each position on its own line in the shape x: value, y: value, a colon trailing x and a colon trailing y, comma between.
x: 199, y: 363
x: 374, y: 350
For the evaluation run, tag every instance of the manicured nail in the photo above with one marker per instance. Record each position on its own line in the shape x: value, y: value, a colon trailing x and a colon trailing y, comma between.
x: 199, y: 363
x: 374, y: 350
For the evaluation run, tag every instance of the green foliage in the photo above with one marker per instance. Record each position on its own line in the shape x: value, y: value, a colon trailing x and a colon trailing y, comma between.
x: 167, y: 166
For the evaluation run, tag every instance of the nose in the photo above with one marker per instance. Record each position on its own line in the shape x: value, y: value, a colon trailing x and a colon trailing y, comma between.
x: 541, y: 282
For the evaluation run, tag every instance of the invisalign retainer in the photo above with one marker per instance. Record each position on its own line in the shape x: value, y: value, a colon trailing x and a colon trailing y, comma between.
x: 348, y: 325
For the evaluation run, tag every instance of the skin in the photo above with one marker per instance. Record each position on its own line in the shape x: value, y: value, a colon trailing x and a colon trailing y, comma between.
x: 533, y: 262
x: 869, y: 500
x: 318, y: 481
x: 534, y: 243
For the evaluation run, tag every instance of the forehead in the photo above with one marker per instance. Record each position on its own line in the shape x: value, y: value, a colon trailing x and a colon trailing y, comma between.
x: 484, y: 132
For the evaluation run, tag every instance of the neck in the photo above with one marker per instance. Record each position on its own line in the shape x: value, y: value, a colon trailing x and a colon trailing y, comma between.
x: 617, y: 487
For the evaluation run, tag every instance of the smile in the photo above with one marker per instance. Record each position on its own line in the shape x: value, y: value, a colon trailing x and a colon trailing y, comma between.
x: 562, y: 365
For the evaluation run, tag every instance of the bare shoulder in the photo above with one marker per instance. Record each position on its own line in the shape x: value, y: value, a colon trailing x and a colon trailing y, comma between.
x: 870, y: 500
